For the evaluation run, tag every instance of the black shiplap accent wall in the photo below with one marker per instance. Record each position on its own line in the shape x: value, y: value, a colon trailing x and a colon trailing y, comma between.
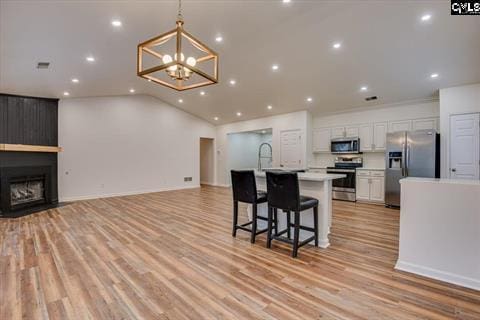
x: 28, y: 120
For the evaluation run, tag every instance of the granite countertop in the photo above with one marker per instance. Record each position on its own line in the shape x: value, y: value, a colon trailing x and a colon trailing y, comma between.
x: 371, y: 169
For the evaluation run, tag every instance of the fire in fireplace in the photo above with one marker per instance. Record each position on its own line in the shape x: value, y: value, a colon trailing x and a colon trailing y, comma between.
x: 31, y: 190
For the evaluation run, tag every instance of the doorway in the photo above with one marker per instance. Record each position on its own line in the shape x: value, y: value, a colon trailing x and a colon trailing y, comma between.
x: 207, y: 161
x: 465, y: 146
x: 291, y: 155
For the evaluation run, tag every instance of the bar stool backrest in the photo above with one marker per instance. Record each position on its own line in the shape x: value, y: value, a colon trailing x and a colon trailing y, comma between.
x: 283, y: 191
x: 244, y: 187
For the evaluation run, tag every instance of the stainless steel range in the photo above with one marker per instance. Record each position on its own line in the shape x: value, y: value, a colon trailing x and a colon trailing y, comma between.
x: 344, y: 189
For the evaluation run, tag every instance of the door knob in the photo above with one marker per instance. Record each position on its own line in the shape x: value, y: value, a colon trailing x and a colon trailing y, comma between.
x: 454, y: 170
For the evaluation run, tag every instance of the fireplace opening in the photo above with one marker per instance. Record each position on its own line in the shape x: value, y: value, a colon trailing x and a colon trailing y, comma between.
x: 27, y: 191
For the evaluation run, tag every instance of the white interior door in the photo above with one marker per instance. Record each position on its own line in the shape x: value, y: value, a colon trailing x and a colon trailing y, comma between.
x: 291, y: 155
x: 465, y: 146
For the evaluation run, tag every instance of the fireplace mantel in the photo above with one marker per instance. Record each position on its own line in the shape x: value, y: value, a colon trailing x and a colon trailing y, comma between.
x: 28, y: 148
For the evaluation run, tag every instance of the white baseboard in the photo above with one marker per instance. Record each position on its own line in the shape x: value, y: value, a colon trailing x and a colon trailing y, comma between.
x: 439, y: 275
x: 128, y: 193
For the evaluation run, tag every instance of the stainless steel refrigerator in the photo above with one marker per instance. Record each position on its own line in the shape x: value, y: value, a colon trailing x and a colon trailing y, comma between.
x: 410, y: 154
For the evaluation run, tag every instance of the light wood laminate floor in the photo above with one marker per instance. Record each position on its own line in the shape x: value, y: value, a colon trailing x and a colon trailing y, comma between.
x: 171, y: 255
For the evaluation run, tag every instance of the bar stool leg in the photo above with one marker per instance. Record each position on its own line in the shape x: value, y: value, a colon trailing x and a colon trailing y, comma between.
x: 315, y: 224
x: 269, y: 228
x: 254, y: 223
x: 296, y: 234
x: 289, y: 236
x: 275, y: 217
x: 235, y: 218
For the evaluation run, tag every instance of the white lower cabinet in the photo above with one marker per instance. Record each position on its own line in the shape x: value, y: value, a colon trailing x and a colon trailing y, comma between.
x: 370, y: 185
x: 363, y: 188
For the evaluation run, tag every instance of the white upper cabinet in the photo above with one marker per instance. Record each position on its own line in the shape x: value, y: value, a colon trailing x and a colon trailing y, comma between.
x: 351, y: 131
x: 424, y: 124
x: 402, y: 125
x: 344, y: 132
x: 338, y: 132
x: 380, y: 135
x: 365, y: 133
x: 321, y: 140
x: 373, y: 136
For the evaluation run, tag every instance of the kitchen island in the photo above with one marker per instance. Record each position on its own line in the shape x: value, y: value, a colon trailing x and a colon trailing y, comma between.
x: 317, y: 185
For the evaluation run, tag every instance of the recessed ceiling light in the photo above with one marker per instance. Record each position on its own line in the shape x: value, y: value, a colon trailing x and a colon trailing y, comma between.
x: 426, y: 17
x: 116, y: 23
x: 337, y: 45
x: 364, y: 88
x: 269, y: 107
x: 132, y: 90
x: 90, y: 59
x: 202, y: 93
x: 180, y: 100
x: 75, y: 80
x: 434, y: 75
x: 309, y: 99
x: 239, y: 114
x: 275, y: 67
x: 215, y: 118
x: 149, y: 80
x: 66, y: 93
x: 286, y: 1
x: 233, y: 82
x: 219, y: 38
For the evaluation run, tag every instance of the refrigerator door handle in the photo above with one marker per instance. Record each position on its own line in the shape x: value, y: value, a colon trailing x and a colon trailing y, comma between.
x: 408, y: 160
x: 404, y: 164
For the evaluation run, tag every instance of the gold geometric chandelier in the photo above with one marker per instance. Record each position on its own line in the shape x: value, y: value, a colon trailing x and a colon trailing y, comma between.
x: 162, y: 59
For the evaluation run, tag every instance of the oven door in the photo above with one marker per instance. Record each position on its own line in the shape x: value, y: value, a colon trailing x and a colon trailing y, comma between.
x: 346, y: 184
x: 345, y: 145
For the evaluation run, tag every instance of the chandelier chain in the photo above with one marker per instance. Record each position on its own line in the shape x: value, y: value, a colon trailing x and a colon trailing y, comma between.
x: 180, y: 16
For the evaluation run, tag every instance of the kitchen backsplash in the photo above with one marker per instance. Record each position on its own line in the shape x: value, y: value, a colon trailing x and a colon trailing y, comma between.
x: 370, y: 160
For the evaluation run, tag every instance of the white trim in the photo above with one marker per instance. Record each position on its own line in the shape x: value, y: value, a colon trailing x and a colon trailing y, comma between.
x: 213, y: 184
x: 438, y: 275
x: 128, y: 193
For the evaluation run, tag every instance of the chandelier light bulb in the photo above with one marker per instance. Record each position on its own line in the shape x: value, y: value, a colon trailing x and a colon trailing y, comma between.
x: 167, y: 59
x: 182, y: 57
x: 191, y: 61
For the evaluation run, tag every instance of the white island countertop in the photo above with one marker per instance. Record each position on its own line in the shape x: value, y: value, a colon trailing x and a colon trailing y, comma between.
x: 308, y: 176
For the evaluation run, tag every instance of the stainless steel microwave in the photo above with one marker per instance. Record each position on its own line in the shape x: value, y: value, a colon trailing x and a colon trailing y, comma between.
x: 345, y: 145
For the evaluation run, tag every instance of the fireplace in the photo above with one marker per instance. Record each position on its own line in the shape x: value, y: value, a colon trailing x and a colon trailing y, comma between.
x: 25, y: 189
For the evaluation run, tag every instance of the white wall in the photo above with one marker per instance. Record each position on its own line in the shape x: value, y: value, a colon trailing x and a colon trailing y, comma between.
x: 402, y: 111
x: 456, y: 100
x: 440, y: 230
x: 125, y: 145
x: 207, y: 161
x: 243, y: 149
x: 278, y: 123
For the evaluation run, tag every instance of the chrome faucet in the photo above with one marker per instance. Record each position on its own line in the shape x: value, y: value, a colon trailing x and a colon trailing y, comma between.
x: 260, y: 157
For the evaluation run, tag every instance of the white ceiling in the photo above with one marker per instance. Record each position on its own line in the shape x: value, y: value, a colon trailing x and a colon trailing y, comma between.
x: 385, y: 46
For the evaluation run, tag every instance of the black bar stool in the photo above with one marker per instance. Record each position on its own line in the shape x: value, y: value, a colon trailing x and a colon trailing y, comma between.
x: 245, y: 190
x: 283, y: 193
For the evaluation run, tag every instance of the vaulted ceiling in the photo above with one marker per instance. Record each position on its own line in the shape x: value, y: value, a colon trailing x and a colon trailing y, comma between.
x: 385, y: 46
